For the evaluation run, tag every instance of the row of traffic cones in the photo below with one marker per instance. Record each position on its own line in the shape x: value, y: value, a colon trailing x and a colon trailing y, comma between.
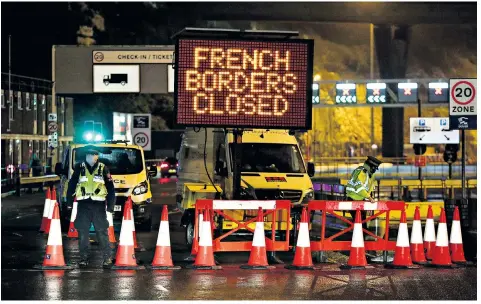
x: 440, y: 251
x: 125, y: 259
x: 418, y: 251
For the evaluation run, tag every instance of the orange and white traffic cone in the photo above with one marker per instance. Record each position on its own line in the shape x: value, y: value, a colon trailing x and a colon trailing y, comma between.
x: 357, y: 255
x: 163, y: 254
x: 53, y: 201
x: 402, y: 254
x: 429, y: 235
x: 205, y: 256
x: 72, y: 232
x: 46, y: 211
x: 111, y: 230
x: 125, y: 258
x: 54, y: 258
x: 441, y: 256
x: 195, y: 237
x: 417, y: 249
x: 302, y: 257
x: 258, y: 255
x: 456, y: 240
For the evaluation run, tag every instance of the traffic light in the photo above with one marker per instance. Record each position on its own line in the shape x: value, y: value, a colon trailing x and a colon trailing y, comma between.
x: 419, y: 149
x: 451, y: 153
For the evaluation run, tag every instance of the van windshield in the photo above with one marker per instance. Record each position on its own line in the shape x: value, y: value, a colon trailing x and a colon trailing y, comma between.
x: 118, y: 160
x: 279, y: 158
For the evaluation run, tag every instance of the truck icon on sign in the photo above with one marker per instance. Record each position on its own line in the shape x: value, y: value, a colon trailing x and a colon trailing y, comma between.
x: 115, y: 78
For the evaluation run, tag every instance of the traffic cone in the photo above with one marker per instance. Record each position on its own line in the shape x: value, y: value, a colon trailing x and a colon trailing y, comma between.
x: 205, y: 256
x: 195, y: 241
x: 417, y: 250
x: 111, y: 230
x: 402, y: 254
x: 429, y: 235
x: 163, y: 254
x: 258, y: 255
x: 302, y: 257
x: 456, y: 240
x: 72, y: 232
x: 53, y: 201
x: 46, y: 211
x: 357, y: 255
x: 125, y: 258
x: 441, y: 257
x: 54, y: 258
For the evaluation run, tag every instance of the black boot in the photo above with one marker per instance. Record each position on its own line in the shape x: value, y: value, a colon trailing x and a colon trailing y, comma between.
x: 107, y: 263
x: 84, y: 262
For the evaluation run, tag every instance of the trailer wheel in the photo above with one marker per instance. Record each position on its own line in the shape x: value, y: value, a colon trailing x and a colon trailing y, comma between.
x: 106, y: 83
x: 122, y: 83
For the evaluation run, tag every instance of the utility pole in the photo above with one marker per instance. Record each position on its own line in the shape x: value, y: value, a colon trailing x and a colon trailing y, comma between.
x: 371, y: 63
x: 10, y: 101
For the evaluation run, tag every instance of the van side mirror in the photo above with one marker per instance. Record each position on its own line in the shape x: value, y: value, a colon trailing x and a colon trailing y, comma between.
x: 220, y: 168
x: 153, y: 170
x: 311, y: 169
x: 59, y: 169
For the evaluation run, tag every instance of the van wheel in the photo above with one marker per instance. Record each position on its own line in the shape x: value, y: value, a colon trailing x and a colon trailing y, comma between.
x: 122, y: 83
x: 189, y: 235
x: 106, y: 83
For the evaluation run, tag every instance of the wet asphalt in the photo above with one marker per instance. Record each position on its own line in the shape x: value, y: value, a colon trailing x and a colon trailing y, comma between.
x: 23, y: 247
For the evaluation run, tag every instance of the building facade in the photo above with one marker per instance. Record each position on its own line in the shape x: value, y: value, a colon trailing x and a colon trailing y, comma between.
x: 25, y: 105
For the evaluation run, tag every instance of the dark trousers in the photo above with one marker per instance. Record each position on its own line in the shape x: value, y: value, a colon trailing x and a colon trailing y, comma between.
x: 89, y: 211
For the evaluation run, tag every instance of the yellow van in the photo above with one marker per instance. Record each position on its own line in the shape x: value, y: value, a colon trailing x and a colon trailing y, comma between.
x: 272, y: 169
x: 130, y: 175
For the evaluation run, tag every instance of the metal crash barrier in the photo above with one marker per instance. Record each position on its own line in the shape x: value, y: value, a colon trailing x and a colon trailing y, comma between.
x: 329, y: 207
x: 272, y: 221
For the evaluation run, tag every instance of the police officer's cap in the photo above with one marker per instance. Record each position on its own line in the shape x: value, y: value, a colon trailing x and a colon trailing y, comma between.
x: 90, y: 150
x: 372, y: 161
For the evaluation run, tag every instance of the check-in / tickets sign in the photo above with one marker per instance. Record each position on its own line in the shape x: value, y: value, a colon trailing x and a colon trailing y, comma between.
x: 244, y: 83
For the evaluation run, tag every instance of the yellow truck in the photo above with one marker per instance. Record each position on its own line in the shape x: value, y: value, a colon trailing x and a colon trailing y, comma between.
x: 130, y: 175
x: 272, y: 169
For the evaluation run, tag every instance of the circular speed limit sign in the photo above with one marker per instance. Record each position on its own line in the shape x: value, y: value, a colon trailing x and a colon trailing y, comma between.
x: 463, y: 92
x: 141, y: 139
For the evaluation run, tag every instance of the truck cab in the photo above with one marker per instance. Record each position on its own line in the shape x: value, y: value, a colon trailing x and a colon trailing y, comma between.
x: 272, y: 169
x: 127, y: 167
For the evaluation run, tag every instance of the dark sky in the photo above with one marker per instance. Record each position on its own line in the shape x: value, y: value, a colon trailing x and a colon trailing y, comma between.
x: 35, y: 27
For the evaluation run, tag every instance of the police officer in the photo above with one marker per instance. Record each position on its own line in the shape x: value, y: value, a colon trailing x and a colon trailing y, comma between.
x: 361, y: 183
x: 360, y: 186
x: 92, y: 185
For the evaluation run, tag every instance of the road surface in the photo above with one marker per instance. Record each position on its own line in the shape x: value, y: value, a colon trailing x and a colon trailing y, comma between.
x: 23, y: 247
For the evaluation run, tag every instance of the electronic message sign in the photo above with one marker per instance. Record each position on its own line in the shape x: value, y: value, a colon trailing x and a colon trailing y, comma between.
x: 407, y: 92
x: 242, y: 83
x: 345, y: 93
x: 376, y: 92
x: 438, y: 92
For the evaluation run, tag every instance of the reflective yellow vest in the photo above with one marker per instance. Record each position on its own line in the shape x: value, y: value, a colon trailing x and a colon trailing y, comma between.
x: 91, y: 185
x: 360, y: 185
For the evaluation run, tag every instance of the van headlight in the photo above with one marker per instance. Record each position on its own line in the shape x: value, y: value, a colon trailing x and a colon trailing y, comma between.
x: 140, y: 188
x: 308, y: 197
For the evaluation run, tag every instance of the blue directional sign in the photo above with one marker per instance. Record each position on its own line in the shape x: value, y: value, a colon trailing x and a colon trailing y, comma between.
x: 345, y: 93
x: 376, y: 92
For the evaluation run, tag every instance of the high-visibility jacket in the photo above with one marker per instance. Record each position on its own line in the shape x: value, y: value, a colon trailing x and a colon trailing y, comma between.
x: 91, y: 185
x: 360, y: 185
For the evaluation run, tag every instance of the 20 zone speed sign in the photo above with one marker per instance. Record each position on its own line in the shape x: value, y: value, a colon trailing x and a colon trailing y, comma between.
x: 462, y: 97
x: 141, y: 139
